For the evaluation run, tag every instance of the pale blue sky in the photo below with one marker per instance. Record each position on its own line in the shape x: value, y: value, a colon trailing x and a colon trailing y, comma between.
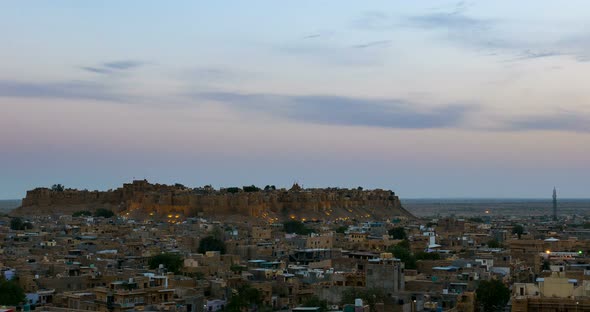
x: 428, y: 98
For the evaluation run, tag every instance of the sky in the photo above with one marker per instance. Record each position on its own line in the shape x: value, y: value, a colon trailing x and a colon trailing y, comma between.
x: 427, y: 98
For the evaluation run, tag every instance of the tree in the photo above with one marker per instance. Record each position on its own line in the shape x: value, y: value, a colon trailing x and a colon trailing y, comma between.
x: 427, y: 255
x: 492, y: 295
x: 398, y: 233
x: 494, y: 243
x: 404, y: 255
x: 518, y: 230
x: 251, y: 189
x: 232, y: 189
x: 236, y: 268
x: 211, y: 243
x: 296, y: 227
x: 57, y: 188
x: 245, y: 298
x: 405, y: 244
x: 315, y: 301
x: 341, y: 229
x: 105, y: 213
x: 11, y: 293
x: 18, y: 224
x: 82, y: 213
x: 172, y: 262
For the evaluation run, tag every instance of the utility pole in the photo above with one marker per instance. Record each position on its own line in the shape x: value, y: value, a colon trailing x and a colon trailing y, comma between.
x: 554, y: 204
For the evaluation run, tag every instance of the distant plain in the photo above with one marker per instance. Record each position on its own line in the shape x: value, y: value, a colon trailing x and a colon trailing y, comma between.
x: 7, y: 205
x: 494, y: 207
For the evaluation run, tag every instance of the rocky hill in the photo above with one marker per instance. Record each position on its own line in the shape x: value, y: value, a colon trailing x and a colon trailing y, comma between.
x: 142, y: 199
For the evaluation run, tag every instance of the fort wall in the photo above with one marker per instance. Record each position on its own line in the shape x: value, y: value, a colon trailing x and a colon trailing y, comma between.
x: 141, y: 197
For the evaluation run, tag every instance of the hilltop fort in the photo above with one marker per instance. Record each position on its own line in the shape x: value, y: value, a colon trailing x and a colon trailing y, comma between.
x: 141, y: 198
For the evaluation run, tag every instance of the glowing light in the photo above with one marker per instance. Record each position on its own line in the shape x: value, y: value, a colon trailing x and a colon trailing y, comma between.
x: 169, y: 216
x: 547, y: 251
x: 487, y: 211
x: 177, y: 216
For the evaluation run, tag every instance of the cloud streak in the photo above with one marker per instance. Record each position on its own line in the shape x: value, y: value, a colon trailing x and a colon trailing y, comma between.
x: 114, y: 67
x: 491, y: 37
x: 568, y: 121
x: 123, y: 65
x: 454, y: 21
x: 312, y: 36
x: 380, y: 43
x: 346, y: 111
x: 62, y: 90
x: 388, y: 113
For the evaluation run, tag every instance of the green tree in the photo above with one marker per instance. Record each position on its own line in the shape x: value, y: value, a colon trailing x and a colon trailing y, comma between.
x: 398, y: 233
x: 251, y: 189
x: 315, y: 301
x: 494, y: 243
x: 405, y: 244
x: 492, y: 295
x: 404, y: 255
x: 172, y: 262
x: 16, y: 224
x: 270, y: 188
x: 246, y: 297
x: 232, y: 190
x: 211, y: 243
x: 57, y: 188
x: 518, y: 230
x: 236, y: 268
x: 427, y: 255
x: 105, y: 213
x: 296, y: 227
x: 82, y: 213
x: 341, y: 229
x: 11, y: 293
